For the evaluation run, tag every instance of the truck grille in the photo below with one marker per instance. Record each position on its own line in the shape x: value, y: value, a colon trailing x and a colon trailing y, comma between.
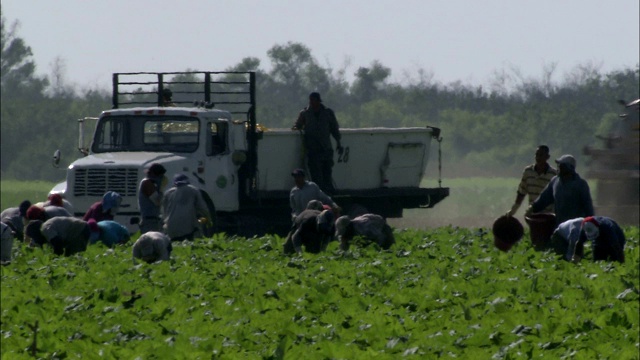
x: 96, y: 182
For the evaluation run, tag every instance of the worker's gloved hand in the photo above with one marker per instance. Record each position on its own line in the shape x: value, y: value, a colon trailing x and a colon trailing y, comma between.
x: 339, y: 149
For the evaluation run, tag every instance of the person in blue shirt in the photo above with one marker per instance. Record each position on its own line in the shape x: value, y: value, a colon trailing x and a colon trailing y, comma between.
x: 606, y: 236
x: 565, y: 237
x: 110, y: 233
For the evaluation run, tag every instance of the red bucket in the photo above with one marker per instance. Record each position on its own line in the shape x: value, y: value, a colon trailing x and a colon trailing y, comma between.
x: 507, y: 231
x: 542, y: 226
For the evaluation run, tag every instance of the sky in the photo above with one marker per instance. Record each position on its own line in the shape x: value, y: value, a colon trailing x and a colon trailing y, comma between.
x: 467, y: 41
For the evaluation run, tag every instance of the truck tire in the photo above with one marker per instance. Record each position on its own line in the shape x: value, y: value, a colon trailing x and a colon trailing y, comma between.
x: 209, y: 230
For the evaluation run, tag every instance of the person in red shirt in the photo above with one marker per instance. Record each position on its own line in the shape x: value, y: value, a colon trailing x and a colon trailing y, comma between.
x: 105, y: 209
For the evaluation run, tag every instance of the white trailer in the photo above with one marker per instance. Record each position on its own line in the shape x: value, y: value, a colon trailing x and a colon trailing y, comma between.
x: 242, y: 169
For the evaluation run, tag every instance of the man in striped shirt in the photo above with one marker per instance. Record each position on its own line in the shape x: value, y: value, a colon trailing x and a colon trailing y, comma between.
x: 534, y: 179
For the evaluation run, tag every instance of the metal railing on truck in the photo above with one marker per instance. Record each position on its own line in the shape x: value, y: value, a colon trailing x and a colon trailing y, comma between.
x: 227, y: 88
x: 233, y: 91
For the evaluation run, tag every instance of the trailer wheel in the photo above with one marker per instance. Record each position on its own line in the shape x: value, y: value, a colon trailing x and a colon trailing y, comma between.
x: 209, y: 229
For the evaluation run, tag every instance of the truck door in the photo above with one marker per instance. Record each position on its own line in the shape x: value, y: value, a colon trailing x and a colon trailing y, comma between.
x: 222, y: 180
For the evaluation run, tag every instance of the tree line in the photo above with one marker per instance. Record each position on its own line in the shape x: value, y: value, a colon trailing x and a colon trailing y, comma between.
x: 486, y: 131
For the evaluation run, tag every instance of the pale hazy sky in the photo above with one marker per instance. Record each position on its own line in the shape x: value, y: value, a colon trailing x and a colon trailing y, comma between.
x: 465, y: 40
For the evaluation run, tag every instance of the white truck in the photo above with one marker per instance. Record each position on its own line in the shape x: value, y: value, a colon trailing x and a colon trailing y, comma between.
x: 242, y: 169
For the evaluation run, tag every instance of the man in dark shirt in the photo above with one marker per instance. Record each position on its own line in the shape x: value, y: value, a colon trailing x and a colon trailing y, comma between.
x: 313, y: 229
x: 568, y: 192
x: 319, y: 124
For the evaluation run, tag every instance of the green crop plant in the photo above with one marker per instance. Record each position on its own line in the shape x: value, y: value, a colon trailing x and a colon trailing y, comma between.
x: 444, y: 292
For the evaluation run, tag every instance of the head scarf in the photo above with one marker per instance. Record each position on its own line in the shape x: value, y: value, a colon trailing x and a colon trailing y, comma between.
x: 591, y: 228
x: 111, y: 200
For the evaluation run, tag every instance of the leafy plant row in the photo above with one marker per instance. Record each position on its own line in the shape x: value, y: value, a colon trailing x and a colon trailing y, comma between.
x: 445, y: 292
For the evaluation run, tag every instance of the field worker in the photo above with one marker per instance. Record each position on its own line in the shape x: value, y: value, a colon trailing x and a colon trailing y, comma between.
x: 305, y: 191
x: 182, y: 205
x: 534, y: 178
x: 110, y: 232
x: 6, y: 242
x: 606, y: 236
x: 104, y: 209
x: 567, y: 191
x: 372, y: 227
x: 319, y: 124
x: 565, y: 237
x: 36, y: 212
x: 312, y: 229
x: 15, y: 218
x: 66, y: 235
x: 152, y: 246
x: 58, y: 200
x: 317, y: 205
x: 150, y: 198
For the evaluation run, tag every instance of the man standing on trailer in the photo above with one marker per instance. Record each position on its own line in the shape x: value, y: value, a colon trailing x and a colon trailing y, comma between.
x: 319, y: 124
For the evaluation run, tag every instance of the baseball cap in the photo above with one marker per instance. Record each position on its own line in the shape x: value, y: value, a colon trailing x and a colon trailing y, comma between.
x: 297, y: 172
x: 180, y: 179
x: 566, y: 160
x: 315, y: 95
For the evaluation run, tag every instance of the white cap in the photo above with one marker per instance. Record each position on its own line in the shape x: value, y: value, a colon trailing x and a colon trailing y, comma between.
x: 567, y: 160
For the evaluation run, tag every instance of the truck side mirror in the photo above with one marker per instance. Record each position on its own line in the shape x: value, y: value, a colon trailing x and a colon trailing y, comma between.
x: 56, y: 158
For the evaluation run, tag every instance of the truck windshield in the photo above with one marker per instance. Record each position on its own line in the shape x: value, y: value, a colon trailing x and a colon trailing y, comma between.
x: 146, y: 133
